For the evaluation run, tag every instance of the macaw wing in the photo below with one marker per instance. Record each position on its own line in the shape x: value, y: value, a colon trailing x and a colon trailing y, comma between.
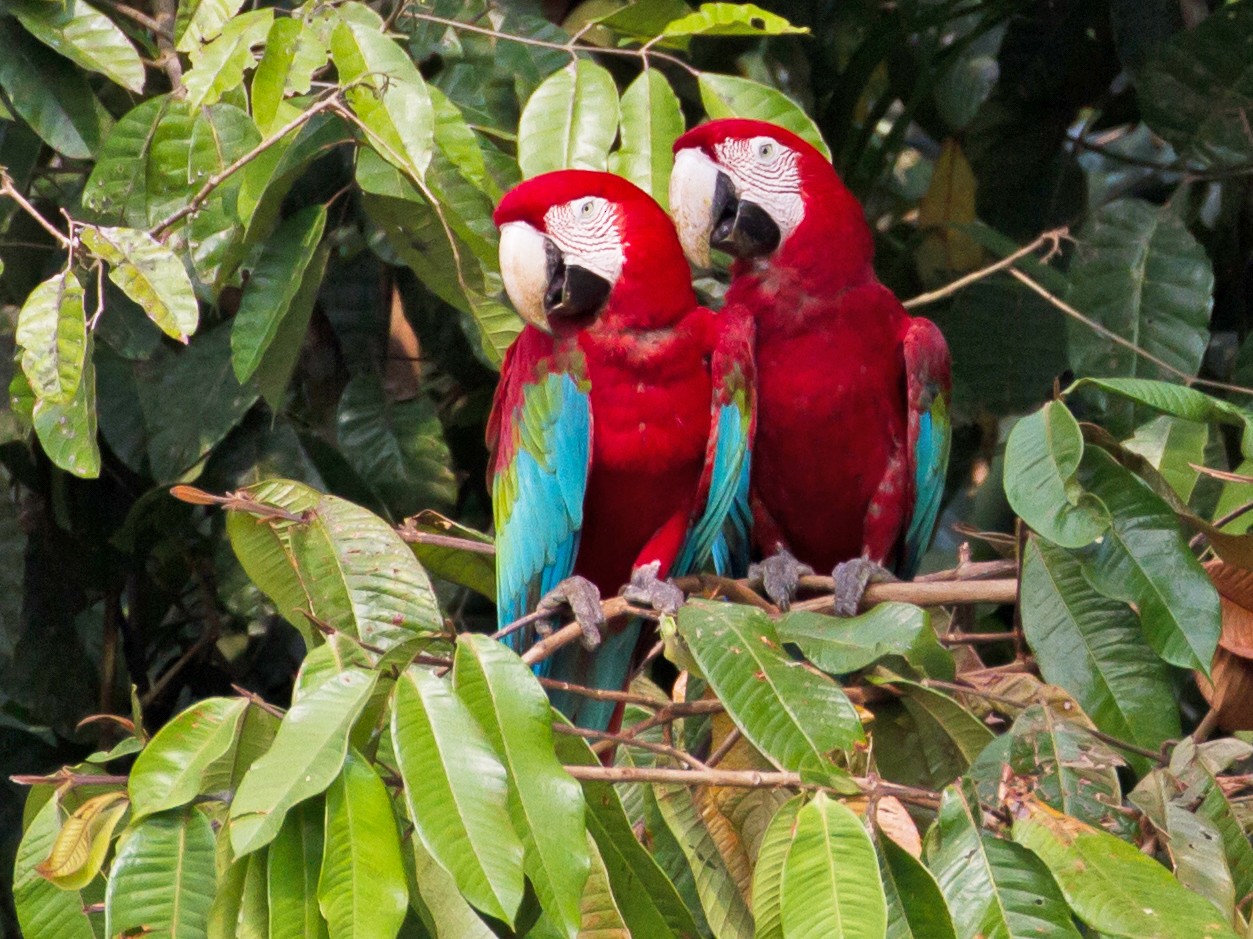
x: 541, y: 435
x: 721, y: 528
x: 928, y: 376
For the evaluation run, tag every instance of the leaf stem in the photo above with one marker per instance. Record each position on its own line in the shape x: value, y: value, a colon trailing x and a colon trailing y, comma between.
x: 8, y: 189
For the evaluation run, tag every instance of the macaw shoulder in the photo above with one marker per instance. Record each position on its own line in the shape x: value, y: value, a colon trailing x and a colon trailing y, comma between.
x: 927, y: 362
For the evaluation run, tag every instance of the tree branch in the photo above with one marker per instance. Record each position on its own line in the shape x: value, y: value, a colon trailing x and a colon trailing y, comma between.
x: 1051, y: 238
x: 8, y: 189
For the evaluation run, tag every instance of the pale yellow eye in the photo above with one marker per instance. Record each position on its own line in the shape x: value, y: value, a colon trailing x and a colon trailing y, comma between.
x: 586, y: 209
x: 765, y: 152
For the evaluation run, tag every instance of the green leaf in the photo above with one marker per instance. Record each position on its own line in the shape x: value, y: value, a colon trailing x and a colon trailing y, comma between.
x: 768, y: 871
x: 388, y: 94
x: 50, y: 95
x: 280, y: 359
x: 52, y: 331
x: 141, y: 173
x: 598, y: 912
x: 218, y: 66
x: 732, y: 96
x: 170, y: 770
x: 456, y: 791
x: 44, y: 909
x: 725, y: 908
x: 150, y: 274
x: 831, y: 885
x: 446, y: 912
x: 199, y: 21
x: 1173, y: 447
x: 275, y: 281
x: 162, y: 879
x: 397, y: 447
x: 294, y: 864
x: 292, y: 54
x: 305, y: 757
x: 843, y: 645
x: 1094, y: 648
x: 795, y: 717
x: 1145, y: 560
x: 85, y: 36
x: 1111, y: 885
x: 651, y: 120
x: 1041, y: 459
x: 570, y: 121
x: 993, y: 887
x: 361, y: 890
x: 916, y: 908
x: 545, y: 802
x: 67, y: 431
x: 731, y: 19
x: 1195, y: 87
x: 469, y: 568
x: 1139, y: 272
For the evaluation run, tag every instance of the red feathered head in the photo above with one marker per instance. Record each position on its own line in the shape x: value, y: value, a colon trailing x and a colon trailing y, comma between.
x: 575, y: 244
x: 757, y: 190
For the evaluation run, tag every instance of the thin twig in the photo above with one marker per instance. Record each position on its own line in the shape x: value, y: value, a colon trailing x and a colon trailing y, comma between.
x: 599, y: 694
x: 8, y: 189
x: 63, y: 777
x: 138, y: 16
x: 617, y: 739
x: 573, y: 632
x: 1052, y: 238
x: 413, y: 536
x: 212, y: 183
x: 729, y: 741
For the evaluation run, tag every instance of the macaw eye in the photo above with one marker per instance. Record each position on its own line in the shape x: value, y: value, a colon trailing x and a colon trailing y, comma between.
x: 586, y: 208
x: 765, y: 151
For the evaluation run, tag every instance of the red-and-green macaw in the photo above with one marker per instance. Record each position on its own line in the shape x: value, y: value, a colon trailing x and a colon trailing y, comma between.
x: 852, y: 393
x: 622, y: 423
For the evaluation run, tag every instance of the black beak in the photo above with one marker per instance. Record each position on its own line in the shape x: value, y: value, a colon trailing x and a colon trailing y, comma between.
x: 573, y: 292
x: 741, y: 228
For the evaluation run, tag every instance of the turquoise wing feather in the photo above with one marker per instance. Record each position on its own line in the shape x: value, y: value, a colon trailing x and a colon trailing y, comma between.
x: 929, y: 384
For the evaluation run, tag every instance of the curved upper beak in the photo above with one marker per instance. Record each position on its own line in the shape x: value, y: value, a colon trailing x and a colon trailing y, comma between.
x: 709, y: 212
x: 542, y: 283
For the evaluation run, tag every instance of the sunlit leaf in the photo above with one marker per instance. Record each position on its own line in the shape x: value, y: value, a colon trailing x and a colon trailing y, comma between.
x: 85, y: 36
x: 570, y: 121
x: 732, y: 96
x: 52, y: 331
x: 651, y: 120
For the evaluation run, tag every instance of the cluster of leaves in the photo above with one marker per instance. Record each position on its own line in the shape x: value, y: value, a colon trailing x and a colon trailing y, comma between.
x: 293, y: 209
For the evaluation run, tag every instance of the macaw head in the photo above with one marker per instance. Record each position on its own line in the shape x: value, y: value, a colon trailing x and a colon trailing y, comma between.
x: 579, y: 247
x: 758, y: 191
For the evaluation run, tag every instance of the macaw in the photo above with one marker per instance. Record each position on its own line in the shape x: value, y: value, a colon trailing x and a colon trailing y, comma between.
x: 852, y: 392
x: 621, y: 428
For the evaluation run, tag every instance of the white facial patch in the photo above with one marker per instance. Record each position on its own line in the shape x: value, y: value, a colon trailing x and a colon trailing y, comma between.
x: 588, y: 233
x: 766, y: 173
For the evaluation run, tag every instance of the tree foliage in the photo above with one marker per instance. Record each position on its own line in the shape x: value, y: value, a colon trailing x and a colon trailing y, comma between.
x: 251, y: 298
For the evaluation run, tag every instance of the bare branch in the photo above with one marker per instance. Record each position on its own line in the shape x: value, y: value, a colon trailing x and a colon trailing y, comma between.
x: 1051, y: 238
x: 8, y: 189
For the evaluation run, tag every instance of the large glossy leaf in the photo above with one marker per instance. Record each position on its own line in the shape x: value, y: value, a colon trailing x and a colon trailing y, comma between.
x: 150, y: 274
x: 724, y: 906
x: 200, y: 20
x: 388, y: 94
x: 545, y: 802
x: 731, y: 19
x: 162, y: 881
x: 1094, y: 648
x: 1140, y: 273
x: 85, y: 36
x: 831, y: 885
x: 916, y: 907
x: 141, y: 173
x: 361, y: 890
x: 67, y: 431
x: 768, y: 871
x: 397, y: 447
x: 43, y: 909
x: 1041, y: 459
x: 1145, y: 560
x: 651, y: 120
x: 792, y: 715
x: 50, y: 95
x: 305, y: 757
x: 1110, y: 884
x: 456, y: 791
x: 294, y: 864
x: 599, y: 917
x: 292, y: 54
x: 469, y: 568
x: 170, y: 770
x: 218, y: 66
x: 52, y: 331
x: 570, y: 121
x: 994, y: 888
x: 732, y: 96
x: 273, y: 285
x: 1197, y: 88
x: 948, y: 736
x: 438, y: 902
x: 1174, y: 448
x: 840, y: 646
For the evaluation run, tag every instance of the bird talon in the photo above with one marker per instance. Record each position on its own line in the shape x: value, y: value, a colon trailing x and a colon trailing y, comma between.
x: 779, y: 576
x: 647, y: 589
x: 851, y: 580
x: 582, y: 598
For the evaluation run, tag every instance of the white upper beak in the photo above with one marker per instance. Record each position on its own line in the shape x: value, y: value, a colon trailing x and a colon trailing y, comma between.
x: 524, y: 268
x: 692, y: 186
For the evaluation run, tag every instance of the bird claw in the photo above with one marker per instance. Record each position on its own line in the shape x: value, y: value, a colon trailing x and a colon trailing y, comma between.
x: 582, y: 598
x: 647, y: 589
x: 779, y: 576
x: 851, y: 580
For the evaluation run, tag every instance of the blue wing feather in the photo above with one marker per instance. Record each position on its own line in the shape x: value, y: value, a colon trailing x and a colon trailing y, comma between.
x: 720, y: 531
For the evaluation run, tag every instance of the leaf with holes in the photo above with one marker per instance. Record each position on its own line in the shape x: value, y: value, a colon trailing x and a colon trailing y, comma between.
x: 52, y: 331
x: 150, y: 274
